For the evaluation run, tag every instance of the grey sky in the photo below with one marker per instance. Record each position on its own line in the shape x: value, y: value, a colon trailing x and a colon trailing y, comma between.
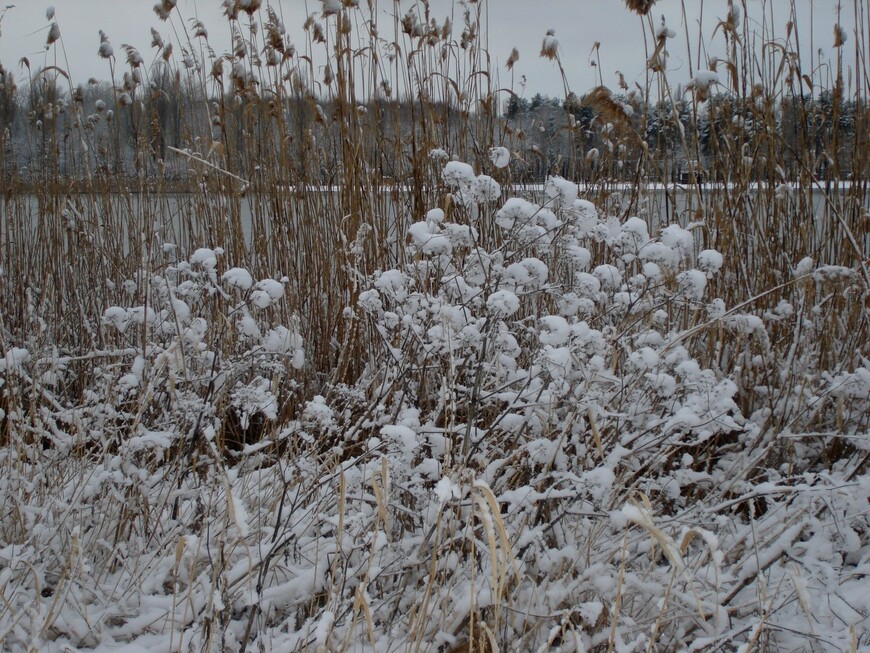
x: 512, y: 23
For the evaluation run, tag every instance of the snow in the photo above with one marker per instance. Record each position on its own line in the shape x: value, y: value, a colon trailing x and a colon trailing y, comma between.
x: 457, y: 173
x: 515, y: 212
x: 324, y: 627
x: 644, y: 358
x: 500, y: 157
x: 609, y: 276
x: 13, y: 359
x: 502, y: 303
x: 117, y: 317
x: 664, y: 32
x: 205, y: 257
x: 429, y: 238
x: 435, y: 216
x: 804, y: 266
x: 678, y: 239
x: 710, y: 262
x: 691, y: 284
x: 550, y: 44
x: 282, y: 340
x: 555, y: 331
x: 330, y: 7
x: 833, y: 273
x: 142, y: 315
x: 267, y: 292
x: 370, y: 300
x: 446, y: 489
x: 526, y: 274
x: 560, y: 192
x: 703, y: 79
x: 238, y: 278
x: 485, y: 189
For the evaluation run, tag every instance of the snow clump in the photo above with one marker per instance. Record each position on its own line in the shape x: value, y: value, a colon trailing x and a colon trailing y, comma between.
x: 267, y: 292
x: 238, y: 278
x: 500, y: 156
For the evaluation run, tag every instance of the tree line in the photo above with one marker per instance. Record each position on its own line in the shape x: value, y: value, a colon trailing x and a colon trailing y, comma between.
x: 50, y: 127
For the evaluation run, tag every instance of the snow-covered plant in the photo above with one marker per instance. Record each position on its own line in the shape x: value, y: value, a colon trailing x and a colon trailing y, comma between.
x: 589, y: 375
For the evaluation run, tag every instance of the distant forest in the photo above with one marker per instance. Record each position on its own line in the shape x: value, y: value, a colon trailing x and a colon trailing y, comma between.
x: 49, y: 127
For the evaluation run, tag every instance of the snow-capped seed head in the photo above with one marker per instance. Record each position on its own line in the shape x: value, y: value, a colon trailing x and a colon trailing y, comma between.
x: 164, y: 8
x: 710, y: 262
x: 117, y: 317
x: 156, y: 39
x: 267, y: 293
x: 53, y: 34
x: 733, y: 20
x: 199, y: 30
x: 602, y: 101
x: 640, y: 7
x: 502, y: 303
x: 134, y: 58
x: 485, y: 189
x: 560, y: 192
x: 691, y: 285
x: 435, y: 216
x: 105, y: 50
x: 609, y: 276
x: 500, y: 156
x: 458, y: 173
x: 840, y: 36
x: 331, y: 7
x: 411, y: 24
x: 516, y: 210
x: 238, y: 278
x: 205, y: 257
x: 550, y: 45
x: 665, y: 32
x: 49, y: 12
x: 248, y: 6
x: 804, y: 266
x: 701, y: 83
x: 716, y: 309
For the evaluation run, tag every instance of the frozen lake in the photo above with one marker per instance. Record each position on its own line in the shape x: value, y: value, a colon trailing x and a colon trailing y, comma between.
x: 194, y: 219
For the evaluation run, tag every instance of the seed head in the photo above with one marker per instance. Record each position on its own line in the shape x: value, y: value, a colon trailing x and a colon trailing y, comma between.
x: 513, y: 58
x: 53, y: 34
x: 164, y: 8
x: 105, y: 50
x: 550, y: 45
x: 640, y: 7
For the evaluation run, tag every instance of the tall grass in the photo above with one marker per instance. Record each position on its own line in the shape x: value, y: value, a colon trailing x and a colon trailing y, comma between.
x: 279, y: 377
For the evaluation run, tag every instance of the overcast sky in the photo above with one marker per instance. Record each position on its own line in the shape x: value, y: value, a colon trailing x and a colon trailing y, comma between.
x: 579, y: 24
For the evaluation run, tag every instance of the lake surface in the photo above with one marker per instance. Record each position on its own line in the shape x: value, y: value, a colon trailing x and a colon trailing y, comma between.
x: 194, y: 219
